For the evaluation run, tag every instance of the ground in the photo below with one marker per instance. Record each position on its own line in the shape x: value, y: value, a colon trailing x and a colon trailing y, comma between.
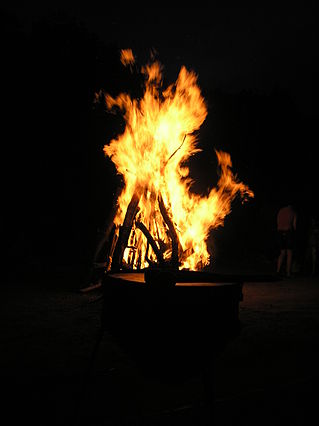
x: 267, y: 374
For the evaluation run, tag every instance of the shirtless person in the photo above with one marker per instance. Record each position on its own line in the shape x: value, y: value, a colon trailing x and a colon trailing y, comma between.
x: 286, y: 227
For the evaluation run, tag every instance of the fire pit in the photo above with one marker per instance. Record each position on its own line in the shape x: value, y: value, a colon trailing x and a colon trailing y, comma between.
x: 170, y: 322
x: 168, y: 315
x: 158, y: 304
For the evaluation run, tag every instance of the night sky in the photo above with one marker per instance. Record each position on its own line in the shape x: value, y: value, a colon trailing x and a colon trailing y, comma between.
x: 257, y: 67
x: 259, y: 47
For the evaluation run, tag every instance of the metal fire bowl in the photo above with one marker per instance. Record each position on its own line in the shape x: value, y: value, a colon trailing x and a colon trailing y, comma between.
x: 170, y: 324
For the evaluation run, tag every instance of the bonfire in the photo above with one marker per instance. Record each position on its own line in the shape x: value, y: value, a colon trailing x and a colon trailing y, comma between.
x: 158, y: 221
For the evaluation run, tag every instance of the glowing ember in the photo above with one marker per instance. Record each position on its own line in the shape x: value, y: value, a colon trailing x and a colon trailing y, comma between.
x: 165, y: 223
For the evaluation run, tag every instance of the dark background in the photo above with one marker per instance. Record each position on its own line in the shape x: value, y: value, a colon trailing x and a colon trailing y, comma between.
x: 258, y: 70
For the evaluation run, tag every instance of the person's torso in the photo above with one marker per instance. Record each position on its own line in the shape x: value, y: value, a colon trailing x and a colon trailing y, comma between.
x: 285, y: 219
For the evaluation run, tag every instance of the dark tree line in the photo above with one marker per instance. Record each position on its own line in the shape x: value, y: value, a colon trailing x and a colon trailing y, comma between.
x: 59, y: 187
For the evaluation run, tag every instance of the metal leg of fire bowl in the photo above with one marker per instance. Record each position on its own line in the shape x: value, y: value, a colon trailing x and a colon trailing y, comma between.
x: 86, y: 380
x: 208, y: 380
x: 96, y: 347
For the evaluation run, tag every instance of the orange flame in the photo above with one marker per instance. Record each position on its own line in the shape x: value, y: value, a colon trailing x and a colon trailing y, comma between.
x: 151, y: 153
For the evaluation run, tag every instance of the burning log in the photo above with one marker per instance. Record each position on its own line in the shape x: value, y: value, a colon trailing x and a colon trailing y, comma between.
x: 111, y: 247
x: 172, y: 232
x: 118, y: 245
x: 125, y: 230
x: 151, y: 241
x: 107, y: 233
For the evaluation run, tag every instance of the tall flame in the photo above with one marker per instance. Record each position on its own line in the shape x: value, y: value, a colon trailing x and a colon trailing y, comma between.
x: 151, y: 153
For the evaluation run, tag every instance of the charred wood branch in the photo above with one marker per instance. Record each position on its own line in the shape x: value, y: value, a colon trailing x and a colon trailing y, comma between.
x: 151, y: 241
x: 186, y: 253
x: 125, y: 231
x: 91, y: 287
x: 172, y: 232
x: 111, y: 248
x: 150, y: 262
x: 107, y: 234
x: 172, y: 155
